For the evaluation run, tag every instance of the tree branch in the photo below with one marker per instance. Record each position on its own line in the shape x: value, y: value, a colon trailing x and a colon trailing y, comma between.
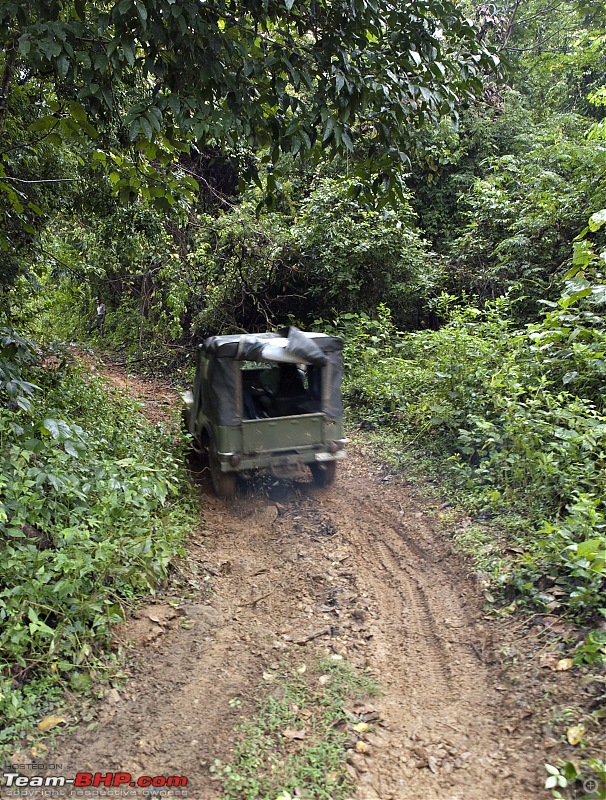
x: 510, y: 24
x: 47, y: 180
x: 6, y: 79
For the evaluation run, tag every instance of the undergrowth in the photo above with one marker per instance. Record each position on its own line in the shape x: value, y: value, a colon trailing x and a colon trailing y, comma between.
x: 514, y: 420
x: 296, y: 743
x: 92, y: 511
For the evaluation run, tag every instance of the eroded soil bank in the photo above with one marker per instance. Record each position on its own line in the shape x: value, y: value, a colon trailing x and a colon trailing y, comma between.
x: 364, y: 569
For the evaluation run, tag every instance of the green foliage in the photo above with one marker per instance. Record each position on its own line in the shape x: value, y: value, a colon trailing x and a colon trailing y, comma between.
x: 587, y: 776
x: 521, y: 217
x: 355, y: 257
x: 507, y: 195
x: 249, y: 272
x: 502, y: 195
x: 16, y: 355
x: 593, y: 649
x: 598, y: 129
x: 557, y: 53
x: 518, y: 413
x: 241, y: 271
x: 90, y: 518
x: 126, y: 88
x: 428, y: 382
x: 236, y: 269
x: 129, y: 260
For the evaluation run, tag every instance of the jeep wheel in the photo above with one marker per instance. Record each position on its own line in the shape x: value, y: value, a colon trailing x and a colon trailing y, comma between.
x: 324, y: 473
x: 224, y: 483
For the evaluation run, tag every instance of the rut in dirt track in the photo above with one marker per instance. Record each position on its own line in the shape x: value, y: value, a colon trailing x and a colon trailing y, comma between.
x: 433, y: 652
x: 362, y: 562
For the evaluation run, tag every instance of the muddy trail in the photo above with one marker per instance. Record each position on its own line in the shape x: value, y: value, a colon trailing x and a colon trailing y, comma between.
x: 365, y: 570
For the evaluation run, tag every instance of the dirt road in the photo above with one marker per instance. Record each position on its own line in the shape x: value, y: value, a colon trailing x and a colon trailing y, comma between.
x: 370, y: 565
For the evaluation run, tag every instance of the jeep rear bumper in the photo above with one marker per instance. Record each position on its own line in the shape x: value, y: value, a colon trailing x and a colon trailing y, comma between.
x: 277, y: 459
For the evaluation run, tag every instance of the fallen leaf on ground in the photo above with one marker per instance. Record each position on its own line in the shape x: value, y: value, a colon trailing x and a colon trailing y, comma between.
x: 575, y: 733
x: 362, y: 747
x: 564, y: 664
x: 364, y: 708
x: 290, y: 733
x: 48, y: 723
x: 323, y: 679
x: 361, y: 727
x: 548, y: 661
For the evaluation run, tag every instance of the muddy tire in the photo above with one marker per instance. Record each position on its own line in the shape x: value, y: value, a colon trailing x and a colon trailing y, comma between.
x: 324, y: 473
x: 224, y: 483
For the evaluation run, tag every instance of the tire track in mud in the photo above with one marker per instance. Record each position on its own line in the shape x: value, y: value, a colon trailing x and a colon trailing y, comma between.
x: 415, y: 628
x: 411, y: 621
x: 439, y: 696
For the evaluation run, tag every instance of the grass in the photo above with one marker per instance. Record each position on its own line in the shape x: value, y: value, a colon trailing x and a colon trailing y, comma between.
x: 296, y: 743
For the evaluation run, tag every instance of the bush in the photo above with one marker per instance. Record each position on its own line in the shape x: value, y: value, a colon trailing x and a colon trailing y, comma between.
x: 352, y: 257
x: 425, y: 383
x: 522, y: 209
x: 90, y: 518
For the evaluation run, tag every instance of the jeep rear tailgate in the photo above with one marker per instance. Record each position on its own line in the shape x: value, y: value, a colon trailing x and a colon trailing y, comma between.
x: 282, y: 433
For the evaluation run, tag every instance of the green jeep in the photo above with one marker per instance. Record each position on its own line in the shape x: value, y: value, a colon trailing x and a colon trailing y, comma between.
x: 266, y: 401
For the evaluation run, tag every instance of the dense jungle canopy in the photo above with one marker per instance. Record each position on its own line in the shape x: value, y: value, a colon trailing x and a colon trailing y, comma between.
x: 426, y: 178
